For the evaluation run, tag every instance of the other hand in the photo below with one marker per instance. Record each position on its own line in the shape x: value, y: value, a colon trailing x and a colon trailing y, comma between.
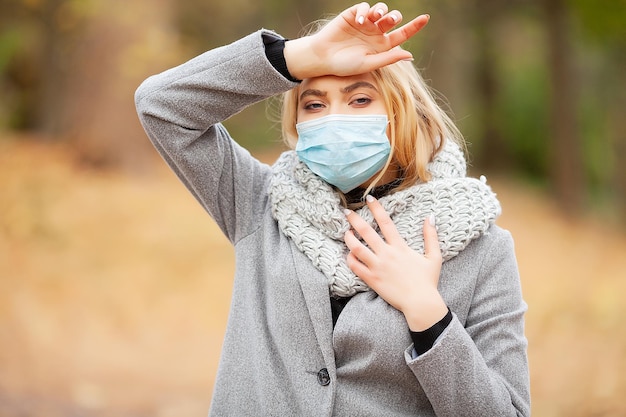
x: 404, y: 278
x: 357, y: 41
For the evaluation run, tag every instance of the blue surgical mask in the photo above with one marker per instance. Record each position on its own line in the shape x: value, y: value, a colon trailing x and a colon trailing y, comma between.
x: 344, y: 150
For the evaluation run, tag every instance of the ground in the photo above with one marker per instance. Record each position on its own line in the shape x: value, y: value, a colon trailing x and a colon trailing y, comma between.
x: 114, y: 291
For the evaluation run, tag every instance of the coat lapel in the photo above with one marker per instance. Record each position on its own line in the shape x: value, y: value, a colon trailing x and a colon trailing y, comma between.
x: 315, y: 290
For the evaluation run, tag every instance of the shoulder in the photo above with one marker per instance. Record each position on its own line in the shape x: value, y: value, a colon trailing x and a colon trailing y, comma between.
x: 493, y: 256
x: 487, y: 263
x: 495, y: 240
x: 497, y: 270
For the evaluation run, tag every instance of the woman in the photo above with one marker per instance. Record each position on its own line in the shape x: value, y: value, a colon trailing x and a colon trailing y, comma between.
x: 370, y: 278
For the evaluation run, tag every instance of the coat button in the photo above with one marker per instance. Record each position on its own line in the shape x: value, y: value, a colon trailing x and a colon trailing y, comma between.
x: 323, y: 377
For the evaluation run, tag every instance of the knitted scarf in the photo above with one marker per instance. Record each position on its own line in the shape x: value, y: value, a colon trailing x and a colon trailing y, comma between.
x: 309, y: 212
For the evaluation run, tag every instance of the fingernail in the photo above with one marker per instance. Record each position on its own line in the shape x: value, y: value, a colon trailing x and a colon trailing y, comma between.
x: 431, y: 219
x: 347, y: 212
x: 360, y: 19
x: 393, y: 17
x: 381, y: 12
x: 409, y: 59
x: 369, y: 198
x: 427, y: 16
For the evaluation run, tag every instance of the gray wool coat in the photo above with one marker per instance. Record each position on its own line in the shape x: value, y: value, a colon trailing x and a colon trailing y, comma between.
x: 281, y: 355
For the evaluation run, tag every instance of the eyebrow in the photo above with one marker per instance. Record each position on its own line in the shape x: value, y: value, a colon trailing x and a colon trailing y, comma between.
x: 345, y: 90
x: 357, y: 85
x: 311, y: 92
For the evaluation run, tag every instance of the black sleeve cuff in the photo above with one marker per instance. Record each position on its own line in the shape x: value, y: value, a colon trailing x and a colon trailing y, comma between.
x: 274, y: 52
x: 423, y: 341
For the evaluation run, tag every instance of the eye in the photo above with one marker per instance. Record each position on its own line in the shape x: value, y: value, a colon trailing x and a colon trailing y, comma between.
x: 313, y: 105
x: 361, y: 101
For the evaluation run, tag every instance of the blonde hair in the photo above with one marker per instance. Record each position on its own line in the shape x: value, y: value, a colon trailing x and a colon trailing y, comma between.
x: 418, y: 126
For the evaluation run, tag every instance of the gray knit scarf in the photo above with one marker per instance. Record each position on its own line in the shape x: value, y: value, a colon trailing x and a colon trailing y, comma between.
x: 309, y: 212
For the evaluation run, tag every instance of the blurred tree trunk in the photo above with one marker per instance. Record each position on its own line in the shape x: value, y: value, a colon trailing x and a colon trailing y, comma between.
x: 446, y: 45
x: 48, y: 107
x: 566, y: 164
x: 494, y: 154
x: 33, y: 57
x: 618, y: 133
x: 114, y: 56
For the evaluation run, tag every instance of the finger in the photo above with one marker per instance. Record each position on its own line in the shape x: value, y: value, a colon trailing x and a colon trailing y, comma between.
x: 378, y: 11
x: 390, y: 20
x: 359, y: 269
x: 405, y: 32
x: 386, y: 225
x: 431, y: 241
x: 358, y: 249
x: 382, y: 59
x: 361, y: 12
x: 367, y: 232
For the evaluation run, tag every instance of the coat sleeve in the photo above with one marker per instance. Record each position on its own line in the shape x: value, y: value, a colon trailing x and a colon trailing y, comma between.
x: 181, y: 111
x: 481, y: 369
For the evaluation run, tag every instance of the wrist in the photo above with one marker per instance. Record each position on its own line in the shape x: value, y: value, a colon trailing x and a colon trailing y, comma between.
x: 300, y: 60
x: 274, y: 51
x: 426, y: 315
x: 423, y: 341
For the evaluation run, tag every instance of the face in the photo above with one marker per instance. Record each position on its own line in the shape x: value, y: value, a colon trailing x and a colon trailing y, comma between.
x: 357, y: 95
x: 328, y: 95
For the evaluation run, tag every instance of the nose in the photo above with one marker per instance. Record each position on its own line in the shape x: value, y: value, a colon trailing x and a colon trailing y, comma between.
x: 334, y: 109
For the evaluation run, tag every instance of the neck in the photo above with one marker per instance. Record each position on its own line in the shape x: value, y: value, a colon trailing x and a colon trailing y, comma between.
x: 356, y: 197
x: 390, y: 175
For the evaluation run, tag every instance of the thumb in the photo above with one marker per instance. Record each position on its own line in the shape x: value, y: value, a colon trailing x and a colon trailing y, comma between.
x: 431, y: 240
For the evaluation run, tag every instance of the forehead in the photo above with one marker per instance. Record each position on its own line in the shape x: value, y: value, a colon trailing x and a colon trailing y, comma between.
x: 332, y: 82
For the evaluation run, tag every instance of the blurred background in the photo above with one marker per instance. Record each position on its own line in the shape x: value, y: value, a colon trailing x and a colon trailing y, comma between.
x: 115, y: 285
